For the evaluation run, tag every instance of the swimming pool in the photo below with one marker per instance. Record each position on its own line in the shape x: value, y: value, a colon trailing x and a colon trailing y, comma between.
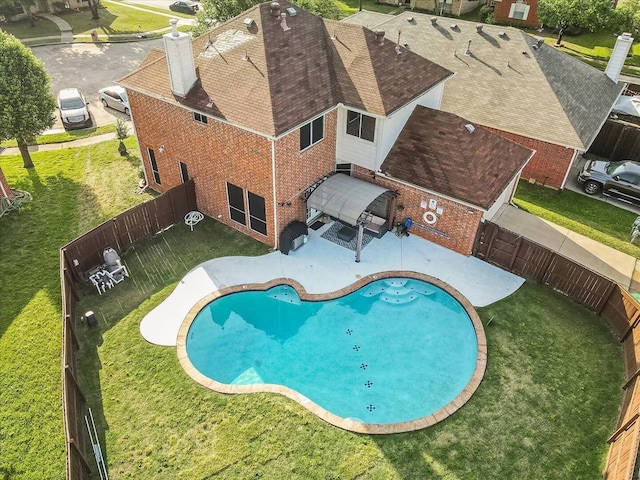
x: 388, y: 354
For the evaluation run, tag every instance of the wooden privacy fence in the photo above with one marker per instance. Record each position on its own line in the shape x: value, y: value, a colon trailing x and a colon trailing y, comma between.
x: 617, y: 140
x: 76, y: 258
x: 134, y: 225
x: 617, y: 307
x: 528, y: 259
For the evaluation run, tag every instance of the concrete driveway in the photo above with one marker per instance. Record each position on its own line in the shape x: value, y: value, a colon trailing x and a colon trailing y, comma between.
x: 91, y: 67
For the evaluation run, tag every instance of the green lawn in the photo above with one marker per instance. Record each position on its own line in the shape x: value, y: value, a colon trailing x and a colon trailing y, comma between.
x: 349, y: 7
x: 23, y: 29
x: 600, y: 221
x: 116, y: 19
x: 547, y: 404
x: 64, y: 136
x: 72, y: 191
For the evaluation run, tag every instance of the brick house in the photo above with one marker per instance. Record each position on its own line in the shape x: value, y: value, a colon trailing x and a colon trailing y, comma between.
x: 516, y: 12
x: 280, y: 116
x: 509, y: 82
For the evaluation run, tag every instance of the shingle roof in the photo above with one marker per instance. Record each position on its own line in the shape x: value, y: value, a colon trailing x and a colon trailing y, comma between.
x: 290, y: 76
x: 473, y: 167
x: 505, y: 83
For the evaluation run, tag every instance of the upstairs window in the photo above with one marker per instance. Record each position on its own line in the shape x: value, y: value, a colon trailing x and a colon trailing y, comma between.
x: 519, y: 10
x: 311, y: 133
x: 198, y: 117
x: 361, y: 125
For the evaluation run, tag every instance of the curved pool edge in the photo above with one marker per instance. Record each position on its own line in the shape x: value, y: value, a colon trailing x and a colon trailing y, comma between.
x: 340, y: 422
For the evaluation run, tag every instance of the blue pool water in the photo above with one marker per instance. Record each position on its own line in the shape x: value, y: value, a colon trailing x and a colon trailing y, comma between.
x: 396, y: 350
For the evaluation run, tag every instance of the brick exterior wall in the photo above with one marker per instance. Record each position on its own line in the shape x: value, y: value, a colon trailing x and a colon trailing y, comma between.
x: 217, y: 153
x: 214, y: 153
x: 458, y: 222
x: 5, y: 186
x: 549, y: 164
x: 296, y: 171
x: 501, y: 13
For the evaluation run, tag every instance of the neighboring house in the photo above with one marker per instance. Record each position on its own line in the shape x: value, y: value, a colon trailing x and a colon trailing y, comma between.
x: 280, y: 116
x: 512, y: 83
x: 441, y: 7
x: 516, y: 12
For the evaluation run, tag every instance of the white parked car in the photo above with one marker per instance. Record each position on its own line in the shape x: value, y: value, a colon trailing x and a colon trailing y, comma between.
x: 115, y: 97
x: 73, y: 109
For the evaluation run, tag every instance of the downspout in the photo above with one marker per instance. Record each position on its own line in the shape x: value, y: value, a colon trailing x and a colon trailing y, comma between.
x: 566, y: 175
x: 273, y: 187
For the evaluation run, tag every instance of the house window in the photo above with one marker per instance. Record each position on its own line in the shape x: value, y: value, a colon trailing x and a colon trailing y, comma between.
x: 257, y: 213
x: 154, y: 166
x: 360, y: 125
x: 519, y: 10
x: 198, y: 117
x: 236, y: 204
x: 311, y: 133
x: 344, y: 168
x: 184, y: 173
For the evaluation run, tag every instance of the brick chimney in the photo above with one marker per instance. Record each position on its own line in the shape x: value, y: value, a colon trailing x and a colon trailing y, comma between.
x: 182, y: 70
x: 618, y: 56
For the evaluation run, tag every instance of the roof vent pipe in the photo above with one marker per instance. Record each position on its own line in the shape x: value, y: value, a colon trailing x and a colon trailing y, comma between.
x: 174, y: 27
x: 275, y: 9
x: 283, y: 23
x: 467, y: 52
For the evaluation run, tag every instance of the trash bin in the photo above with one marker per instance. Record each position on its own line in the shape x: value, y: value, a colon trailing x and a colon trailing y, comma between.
x: 94, y: 35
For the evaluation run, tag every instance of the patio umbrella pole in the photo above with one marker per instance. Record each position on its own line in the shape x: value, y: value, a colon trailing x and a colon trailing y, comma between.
x: 359, y: 247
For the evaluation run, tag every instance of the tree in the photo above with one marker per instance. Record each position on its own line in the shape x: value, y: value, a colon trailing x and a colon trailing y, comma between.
x: 26, y: 101
x: 122, y: 132
x: 589, y: 14
x: 93, y: 6
x: 628, y: 17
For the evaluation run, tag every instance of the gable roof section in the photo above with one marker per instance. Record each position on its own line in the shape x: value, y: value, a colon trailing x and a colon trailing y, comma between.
x: 270, y: 80
x: 435, y: 151
x: 504, y: 82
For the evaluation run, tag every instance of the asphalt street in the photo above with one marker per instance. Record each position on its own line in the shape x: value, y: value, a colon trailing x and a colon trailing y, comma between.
x: 90, y: 67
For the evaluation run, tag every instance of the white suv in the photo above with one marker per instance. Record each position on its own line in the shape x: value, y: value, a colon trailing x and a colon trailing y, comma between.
x: 73, y: 109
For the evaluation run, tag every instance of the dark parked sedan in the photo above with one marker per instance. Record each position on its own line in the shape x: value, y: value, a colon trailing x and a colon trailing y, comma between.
x: 184, y: 6
x: 616, y: 179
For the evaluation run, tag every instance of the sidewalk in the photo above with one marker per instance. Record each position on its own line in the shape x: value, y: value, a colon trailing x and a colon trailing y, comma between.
x: 81, y: 142
x: 617, y: 266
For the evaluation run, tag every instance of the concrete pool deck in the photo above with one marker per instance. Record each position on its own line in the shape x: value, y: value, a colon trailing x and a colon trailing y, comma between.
x: 321, y: 266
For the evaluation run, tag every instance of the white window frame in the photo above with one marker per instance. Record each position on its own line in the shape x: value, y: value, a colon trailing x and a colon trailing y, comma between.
x: 200, y: 118
x: 519, y: 8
